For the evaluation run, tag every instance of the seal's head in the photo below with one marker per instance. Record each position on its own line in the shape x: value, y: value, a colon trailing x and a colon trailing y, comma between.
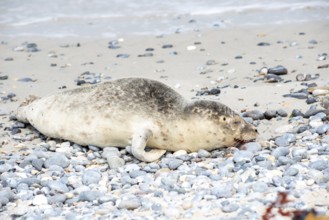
x: 227, y: 127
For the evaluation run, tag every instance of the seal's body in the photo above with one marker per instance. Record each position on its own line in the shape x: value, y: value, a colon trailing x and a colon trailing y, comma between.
x: 136, y: 111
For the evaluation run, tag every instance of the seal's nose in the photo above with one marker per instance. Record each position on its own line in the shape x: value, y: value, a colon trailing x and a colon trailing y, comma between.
x: 256, y: 130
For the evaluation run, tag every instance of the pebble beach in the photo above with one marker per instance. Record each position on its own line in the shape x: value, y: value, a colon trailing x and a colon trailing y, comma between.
x: 276, y: 76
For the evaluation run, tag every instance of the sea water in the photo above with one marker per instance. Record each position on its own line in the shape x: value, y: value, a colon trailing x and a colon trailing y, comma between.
x: 114, y: 18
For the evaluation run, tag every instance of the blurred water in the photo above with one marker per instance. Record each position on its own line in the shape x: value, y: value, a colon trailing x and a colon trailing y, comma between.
x: 110, y: 18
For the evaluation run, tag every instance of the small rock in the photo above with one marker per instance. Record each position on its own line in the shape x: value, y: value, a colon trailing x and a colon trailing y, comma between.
x: 167, y: 46
x: 123, y: 55
x: 203, y: 153
x: 272, y: 78
x: 281, y: 113
x: 296, y: 112
x: 174, y: 163
x: 40, y: 200
x: 89, y: 196
x: 254, y: 114
x: 319, y: 165
x: 297, y: 95
x: 230, y: 208
x: 291, y: 171
x: 252, y: 147
x: 242, y: 156
x: 262, y: 44
x: 91, y: 177
x: 259, y: 186
x: 129, y: 204
x: 280, y: 151
x: 58, y: 159
x: 322, y: 129
x: 269, y: 114
x: 57, y: 186
x: 310, y: 100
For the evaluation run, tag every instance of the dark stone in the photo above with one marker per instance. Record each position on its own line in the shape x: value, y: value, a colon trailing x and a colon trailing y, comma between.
x: 238, y: 57
x: 114, y: 44
x: 312, y: 112
x: 301, y: 129
x: 272, y: 78
x: 254, y: 114
x: 269, y: 114
x: 214, y: 91
x: 297, y: 95
x: 167, y: 46
x: 311, y: 100
x: 278, y: 70
x: 122, y: 55
x: 261, y: 44
x: 296, y: 112
x: 282, y: 113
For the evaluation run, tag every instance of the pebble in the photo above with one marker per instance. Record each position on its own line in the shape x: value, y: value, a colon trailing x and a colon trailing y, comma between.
x: 322, y: 129
x: 89, y: 196
x: 242, y: 157
x: 40, y: 200
x: 167, y: 46
x: 228, y: 208
x: 58, y: 159
x: 262, y: 44
x: 259, y: 186
x: 123, y: 55
x: 269, y: 114
x: 203, y: 153
x: 319, y: 165
x: 291, y: 171
x: 91, y: 177
x: 254, y: 114
x: 280, y: 151
x: 130, y: 204
x: 297, y: 95
x: 272, y: 78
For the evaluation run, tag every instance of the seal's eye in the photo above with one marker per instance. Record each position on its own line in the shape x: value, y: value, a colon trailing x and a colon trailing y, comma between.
x: 224, y: 118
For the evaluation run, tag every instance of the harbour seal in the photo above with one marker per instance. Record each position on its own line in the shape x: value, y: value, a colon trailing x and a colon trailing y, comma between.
x: 136, y: 111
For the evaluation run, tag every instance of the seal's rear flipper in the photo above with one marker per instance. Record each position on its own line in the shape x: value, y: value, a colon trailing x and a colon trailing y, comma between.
x: 138, y: 147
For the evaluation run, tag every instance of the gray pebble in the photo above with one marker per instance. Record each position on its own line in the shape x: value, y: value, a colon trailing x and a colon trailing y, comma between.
x: 252, y: 147
x: 91, y: 177
x: 272, y: 78
x: 115, y: 162
x: 319, y: 164
x: 280, y: 151
x: 259, y: 186
x: 262, y: 44
x: 254, y: 114
x: 37, y: 164
x: 174, y: 163
x: 322, y: 129
x: 284, y: 161
x: 269, y: 114
x: 89, y: 196
x: 57, y: 186
x: 302, y: 128
x: 56, y: 199
x: 203, y: 153
x: 57, y: 159
x: 297, y: 95
x: 123, y: 55
x: 136, y: 173
x: 129, y: 204
x: 242, y: 156
x: 230, y: 208
x: 29, y: 181
x: 296, y: 112
x: 282, y: 113
x: 223, y: 191
x: 291, y: 171
x: 6, y: 195
x: 278, y: 70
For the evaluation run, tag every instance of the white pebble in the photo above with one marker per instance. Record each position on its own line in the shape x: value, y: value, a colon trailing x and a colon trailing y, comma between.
x: 40, y: 200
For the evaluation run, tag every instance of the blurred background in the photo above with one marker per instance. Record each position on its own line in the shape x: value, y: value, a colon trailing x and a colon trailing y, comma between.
x: 104, y: 18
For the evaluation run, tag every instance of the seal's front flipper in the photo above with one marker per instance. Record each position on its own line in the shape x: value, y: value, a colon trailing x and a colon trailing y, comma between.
x: 138, y: 145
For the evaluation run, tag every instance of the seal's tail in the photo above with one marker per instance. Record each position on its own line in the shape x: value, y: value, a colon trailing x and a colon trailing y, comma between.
x: 21, y: 111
